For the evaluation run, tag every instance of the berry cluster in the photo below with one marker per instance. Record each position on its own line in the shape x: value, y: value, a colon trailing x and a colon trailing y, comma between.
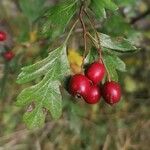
x: 88, y: 86
x: 7, y: 55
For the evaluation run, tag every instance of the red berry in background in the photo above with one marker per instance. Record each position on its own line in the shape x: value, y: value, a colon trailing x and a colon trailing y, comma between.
x: 96, y: 72
x: 8, y: 55
x: 2, y: 36
x: 79, y: 85
x: 94, y: 95
x: 111, y: 92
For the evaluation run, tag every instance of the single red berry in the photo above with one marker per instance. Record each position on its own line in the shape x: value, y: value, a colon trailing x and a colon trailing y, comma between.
x: 8, y: 55
x: 2, y: 36
x: 111, y: 92
x: 79, y: 85
x: 96, y: 72
x: 94, y: 95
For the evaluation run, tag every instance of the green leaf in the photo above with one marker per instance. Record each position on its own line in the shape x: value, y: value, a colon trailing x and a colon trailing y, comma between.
x: 125, y: 2
x: 91, y: 56
x: 118, y: 44
x: 35, y: 118
x: 45, y: 94
x: 110, y: 5
x: 114, y: 63
x: 56, y: 58
x: 31, y: 8
x: 113, y: 73
x: 111, y: 68
x: 116, y: 22
x: 120, y: 65
x: 99, y: 6
x: 57, y: 18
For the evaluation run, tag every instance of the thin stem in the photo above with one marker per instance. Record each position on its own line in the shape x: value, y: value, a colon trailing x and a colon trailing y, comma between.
x: 91, y: 38
x: 91, y: 20
x: 70, y: 32
x: 141, y: 16
x: 84, y: 34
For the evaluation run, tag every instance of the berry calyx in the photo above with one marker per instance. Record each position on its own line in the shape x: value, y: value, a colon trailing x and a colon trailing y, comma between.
x: 8, y: 55
x: 111, y: 92
x: 94, y: 95
x: 79, y: 85
x: 2, y: 36
x: 96, y: 72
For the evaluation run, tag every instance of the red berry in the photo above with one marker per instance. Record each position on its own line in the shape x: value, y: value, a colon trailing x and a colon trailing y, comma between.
x: 79, y: 85
x: 96, y: 72
x: 8, y: 55
x: 2, y: 36
x: 111, y: 92
x: 94, y: 95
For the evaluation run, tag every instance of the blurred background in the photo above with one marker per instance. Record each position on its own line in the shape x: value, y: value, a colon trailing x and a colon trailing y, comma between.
x: 125, y: 126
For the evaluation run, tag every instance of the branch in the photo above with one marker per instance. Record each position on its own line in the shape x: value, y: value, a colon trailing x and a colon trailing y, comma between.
x: 141, y: 16
x: 84, y: 33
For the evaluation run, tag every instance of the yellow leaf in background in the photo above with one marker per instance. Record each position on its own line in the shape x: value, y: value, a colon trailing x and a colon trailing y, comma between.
x: 75, y: 69
x: 33, y: 36
x: 74, y: 57
x: 75, y: 60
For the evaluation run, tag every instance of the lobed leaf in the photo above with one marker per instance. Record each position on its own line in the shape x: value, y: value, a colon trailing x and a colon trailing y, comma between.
x: 118, y: 44
x: 57, y: 18
x: 45, y: 94
x: 99, y: 6
x: 35, y: 118
x: 56, y: 58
